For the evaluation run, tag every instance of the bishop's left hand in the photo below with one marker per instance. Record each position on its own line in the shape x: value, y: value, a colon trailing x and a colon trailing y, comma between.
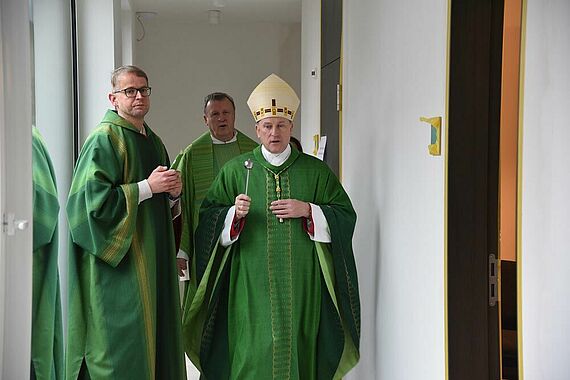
x: 290, y: 208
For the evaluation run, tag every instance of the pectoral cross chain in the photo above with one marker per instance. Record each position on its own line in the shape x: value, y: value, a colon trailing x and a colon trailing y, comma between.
x: 278, y: 191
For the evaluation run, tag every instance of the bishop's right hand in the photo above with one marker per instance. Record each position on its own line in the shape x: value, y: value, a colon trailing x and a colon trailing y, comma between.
x: 242, y: 204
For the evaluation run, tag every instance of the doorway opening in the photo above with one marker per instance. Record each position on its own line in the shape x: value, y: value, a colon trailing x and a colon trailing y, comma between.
x: 508, y: 179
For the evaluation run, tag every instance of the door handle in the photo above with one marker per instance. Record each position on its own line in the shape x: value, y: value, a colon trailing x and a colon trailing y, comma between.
x: 10, y: 224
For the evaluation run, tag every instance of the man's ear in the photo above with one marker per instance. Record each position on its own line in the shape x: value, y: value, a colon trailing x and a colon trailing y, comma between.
x: 112, y: 99
x: 205, y: 121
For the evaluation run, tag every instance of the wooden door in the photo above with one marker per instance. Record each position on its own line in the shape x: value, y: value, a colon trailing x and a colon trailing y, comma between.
x: 473, y: 159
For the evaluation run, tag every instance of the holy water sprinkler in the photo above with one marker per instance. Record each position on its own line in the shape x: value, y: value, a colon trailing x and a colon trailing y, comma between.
x: 248, y: 165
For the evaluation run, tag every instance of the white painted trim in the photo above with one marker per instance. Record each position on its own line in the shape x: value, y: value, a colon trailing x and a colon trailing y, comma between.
x: 16, y: 275
x: 2, y: 195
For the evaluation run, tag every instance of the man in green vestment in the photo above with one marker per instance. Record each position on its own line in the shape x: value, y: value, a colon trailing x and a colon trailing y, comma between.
x: 199, y: 164
x: 124, y: 308
x: 278, y: 290
x: 47, y: 330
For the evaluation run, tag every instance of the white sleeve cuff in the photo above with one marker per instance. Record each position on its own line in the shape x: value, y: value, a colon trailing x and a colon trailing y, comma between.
x: 175, y: 207
x: 225, y: 239
x: 182, y: 255
x: 322, y: 231
x: 144, y: 190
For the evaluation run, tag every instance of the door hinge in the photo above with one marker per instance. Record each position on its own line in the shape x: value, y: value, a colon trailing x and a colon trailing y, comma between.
x: 493, y: 280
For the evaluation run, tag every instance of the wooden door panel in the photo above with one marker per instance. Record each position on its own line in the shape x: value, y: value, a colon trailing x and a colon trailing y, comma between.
x: 331, y: 29
x: 330, y: 76
x: 331, y: 39
x: 474, y: 109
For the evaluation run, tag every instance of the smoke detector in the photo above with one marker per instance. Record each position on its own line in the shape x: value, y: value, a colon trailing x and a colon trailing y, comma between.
x: 214, y: 16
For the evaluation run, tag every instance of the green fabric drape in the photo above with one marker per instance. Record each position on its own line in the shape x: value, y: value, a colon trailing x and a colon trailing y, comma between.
x: 124, y: 309
x: 47, y: 330
x: 274, y: 304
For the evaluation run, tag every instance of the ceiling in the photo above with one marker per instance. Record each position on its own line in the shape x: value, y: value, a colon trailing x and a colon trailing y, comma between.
x: 232, y: 11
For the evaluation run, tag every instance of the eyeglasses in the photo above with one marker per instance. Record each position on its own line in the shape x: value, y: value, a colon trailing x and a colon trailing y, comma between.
x: 132, y: 92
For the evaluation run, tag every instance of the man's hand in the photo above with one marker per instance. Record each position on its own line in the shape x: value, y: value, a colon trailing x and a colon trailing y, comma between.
x: 182, y: 264
x: 290, y: 208
x: 163, y: 180
x: 242, y: 205
x: 176, y: 190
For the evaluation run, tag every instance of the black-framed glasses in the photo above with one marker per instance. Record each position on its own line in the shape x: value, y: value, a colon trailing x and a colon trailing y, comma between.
x: 132, y: 92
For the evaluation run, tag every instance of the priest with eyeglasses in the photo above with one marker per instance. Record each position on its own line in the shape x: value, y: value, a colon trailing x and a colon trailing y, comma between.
x: 124, y: 307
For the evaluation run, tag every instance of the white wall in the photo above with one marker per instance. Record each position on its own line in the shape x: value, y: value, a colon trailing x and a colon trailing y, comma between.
x: 545, y: 202
x: 310, y: 60
x: 394, y: 72
x: 186, y: 61
x: 290, y: 66
x: 96, y: 60
x: 102, y: 29
x: 127, y: 29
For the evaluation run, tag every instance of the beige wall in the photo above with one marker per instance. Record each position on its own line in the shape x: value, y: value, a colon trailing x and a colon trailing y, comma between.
x: 509, y: 128
x: 187, y: 61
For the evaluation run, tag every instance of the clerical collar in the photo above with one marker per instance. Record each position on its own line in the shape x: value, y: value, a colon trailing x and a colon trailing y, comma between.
x: 276, y: 159
x: 220, y: 142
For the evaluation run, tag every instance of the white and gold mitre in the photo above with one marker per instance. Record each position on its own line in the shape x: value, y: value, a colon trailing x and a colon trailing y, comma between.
x: 273, y: 97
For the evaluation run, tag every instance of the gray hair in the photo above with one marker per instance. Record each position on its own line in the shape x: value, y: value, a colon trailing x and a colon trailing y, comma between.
x: 124, y: 70
x: 217, y: 96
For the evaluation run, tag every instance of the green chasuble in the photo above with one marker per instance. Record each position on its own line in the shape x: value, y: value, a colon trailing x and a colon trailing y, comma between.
x: 199, y: 164
x: 47, y: 330
x: 275, y: 304
x: 124, y: 308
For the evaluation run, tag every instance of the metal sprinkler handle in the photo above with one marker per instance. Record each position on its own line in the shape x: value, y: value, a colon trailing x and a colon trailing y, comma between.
x: 248, y: 164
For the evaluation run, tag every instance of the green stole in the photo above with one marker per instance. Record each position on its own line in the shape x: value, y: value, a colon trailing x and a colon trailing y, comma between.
x: 202, y: 163
x: 124, y: 308
x: 272, y: 305
x: 47, y: 329
x: 198, y: 168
